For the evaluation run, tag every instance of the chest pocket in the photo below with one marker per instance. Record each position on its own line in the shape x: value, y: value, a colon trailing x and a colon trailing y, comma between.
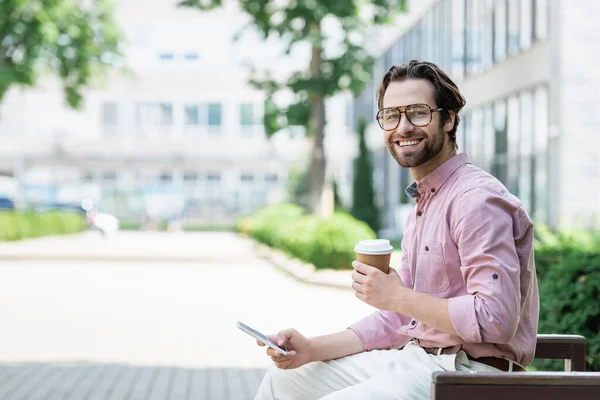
x: 431, y: 274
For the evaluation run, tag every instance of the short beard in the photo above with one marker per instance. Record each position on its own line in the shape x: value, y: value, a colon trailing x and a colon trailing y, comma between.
x: 429, y: 151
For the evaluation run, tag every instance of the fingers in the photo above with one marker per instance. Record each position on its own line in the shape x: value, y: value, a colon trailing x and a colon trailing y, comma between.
x: 358, y: 277
x: 285, y: 336
x: 258, y: 342
x: 276, y: 356
x: 364, y: 268
x: 283, y: 362
x: 358, y: 288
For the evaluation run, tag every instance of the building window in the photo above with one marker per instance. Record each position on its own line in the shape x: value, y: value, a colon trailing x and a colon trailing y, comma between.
x: 526, y: 151
x: 203, y: 117
x: 214, y: 115
x: 213, y: 178
x: 487, y: 37
x: 247, y: 178
x: 500, y: 30
x: 271, y: 178
x: 474, y: 35
x: 190, y: 177
x: 513, y: 27
x: 474, y: 140
x: 458, y: 38
x: 500, y: 163
x: 191, y: 56
x: 514, y: 124
x: 109, y: 118
x: 165, y: 177
x: 540, y: 19
x: 488, y: 138
x: 192, y: 115
x: 541, y: 167
x: 154, y: 117
x: 165, y: 113
x: 247, y: 116
x: 109, y: 176
x: 526, y: 34
x: 166, y: 56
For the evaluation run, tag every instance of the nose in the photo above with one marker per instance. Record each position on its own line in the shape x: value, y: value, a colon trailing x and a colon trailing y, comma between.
x: 404, y: 127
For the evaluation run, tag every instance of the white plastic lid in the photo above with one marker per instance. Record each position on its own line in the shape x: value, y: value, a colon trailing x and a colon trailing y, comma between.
x: 374, y: 247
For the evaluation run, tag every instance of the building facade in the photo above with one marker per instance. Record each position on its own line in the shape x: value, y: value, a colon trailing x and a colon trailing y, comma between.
x: 527, y: 69
x: 179, y: 133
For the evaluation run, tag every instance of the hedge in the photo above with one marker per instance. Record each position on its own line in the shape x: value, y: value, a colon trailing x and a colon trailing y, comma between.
x: 568, y: 268
x: 325, y: 243
x: 16, y: 225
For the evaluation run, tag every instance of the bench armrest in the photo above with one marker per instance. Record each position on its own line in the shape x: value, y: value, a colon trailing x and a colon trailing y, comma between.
x: 515, y: 385
x: 571, y: 348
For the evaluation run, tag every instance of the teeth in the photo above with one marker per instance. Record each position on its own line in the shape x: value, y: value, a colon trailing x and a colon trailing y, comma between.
x: 411, y: 143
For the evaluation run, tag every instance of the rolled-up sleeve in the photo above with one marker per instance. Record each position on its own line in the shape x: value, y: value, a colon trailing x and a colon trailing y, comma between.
x: 483, y: 232
x: 380, y: 330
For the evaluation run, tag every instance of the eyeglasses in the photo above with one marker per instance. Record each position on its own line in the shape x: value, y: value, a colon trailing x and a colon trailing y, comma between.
x: 417, y: 114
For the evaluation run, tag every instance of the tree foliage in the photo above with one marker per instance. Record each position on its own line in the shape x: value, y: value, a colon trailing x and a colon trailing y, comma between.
x: 72, y: 39
x: 363, y: 192
x: 298, y: 21
x: 346, y: 68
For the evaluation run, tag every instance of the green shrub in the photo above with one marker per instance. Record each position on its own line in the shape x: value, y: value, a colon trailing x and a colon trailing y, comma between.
x: 334, y: 240
x: 299, y: 240
x: 16, y: 225
x: 325, y: 243
x: 268, y: 224
x: 569, y: 282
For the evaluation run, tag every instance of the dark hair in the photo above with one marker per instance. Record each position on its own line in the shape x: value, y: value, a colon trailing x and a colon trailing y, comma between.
x: 447, y: 95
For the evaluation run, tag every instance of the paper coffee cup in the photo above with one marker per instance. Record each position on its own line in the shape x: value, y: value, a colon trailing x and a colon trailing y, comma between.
x: 376, y: 253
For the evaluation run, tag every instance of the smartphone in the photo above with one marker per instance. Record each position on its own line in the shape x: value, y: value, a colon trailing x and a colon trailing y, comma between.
x: 262, y: 338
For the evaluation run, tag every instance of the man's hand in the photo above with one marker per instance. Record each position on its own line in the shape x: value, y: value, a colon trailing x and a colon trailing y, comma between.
x: 297, y: 345
x: 380, y: 290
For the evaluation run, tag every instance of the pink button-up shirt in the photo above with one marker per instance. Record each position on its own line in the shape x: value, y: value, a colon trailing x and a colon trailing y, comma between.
x: 468, y: 240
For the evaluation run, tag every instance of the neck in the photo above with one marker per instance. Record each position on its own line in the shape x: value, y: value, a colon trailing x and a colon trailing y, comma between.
x: 420, y: 172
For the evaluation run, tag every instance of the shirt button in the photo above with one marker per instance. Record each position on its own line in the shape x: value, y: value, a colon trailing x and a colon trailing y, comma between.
x: 419, y: 213
x: 432, y: 190
x: 413, y: 322
x: 427, y: 249
x: 495, y: 276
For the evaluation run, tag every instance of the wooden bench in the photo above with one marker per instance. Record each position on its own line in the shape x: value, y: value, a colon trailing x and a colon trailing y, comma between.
x: 573, y: 384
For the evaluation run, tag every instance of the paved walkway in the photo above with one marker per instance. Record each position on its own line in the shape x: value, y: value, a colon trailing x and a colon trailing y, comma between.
x: 148, y: 316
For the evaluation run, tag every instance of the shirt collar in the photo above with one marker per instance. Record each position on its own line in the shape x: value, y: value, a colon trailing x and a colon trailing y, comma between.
x: 435, y: 180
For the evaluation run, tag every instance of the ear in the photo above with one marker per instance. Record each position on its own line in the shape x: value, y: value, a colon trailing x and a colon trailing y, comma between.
x: 450, y: 121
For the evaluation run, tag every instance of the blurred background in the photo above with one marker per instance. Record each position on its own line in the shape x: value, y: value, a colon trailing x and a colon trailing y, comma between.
x: 139, y: 119
x: 174, y: 129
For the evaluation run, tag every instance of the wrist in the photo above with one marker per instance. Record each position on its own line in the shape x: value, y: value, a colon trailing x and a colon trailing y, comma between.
x: 403, y: 299
x: 311, y: 350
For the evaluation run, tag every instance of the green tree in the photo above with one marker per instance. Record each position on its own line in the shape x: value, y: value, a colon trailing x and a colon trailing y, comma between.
x: 74, y: 41
x: 337, y: 200
x: 363, y: 193
x: 297, y: 22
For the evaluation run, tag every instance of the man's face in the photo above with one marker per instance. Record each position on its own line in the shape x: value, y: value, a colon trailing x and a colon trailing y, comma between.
x: 413, y: 146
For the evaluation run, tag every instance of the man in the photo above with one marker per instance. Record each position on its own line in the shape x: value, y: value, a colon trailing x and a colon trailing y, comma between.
x: 466, y: 297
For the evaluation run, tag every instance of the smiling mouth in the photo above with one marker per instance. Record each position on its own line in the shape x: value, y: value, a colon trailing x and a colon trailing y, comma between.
x: 407, y: 143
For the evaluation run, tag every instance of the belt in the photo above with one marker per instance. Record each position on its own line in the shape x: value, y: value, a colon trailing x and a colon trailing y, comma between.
x: 500, y: 363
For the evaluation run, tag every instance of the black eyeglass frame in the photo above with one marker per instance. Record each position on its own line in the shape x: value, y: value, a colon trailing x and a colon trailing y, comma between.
x: 402, y: 110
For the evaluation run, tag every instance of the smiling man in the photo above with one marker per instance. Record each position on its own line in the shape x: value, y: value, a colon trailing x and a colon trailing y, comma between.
x: 466, y: 296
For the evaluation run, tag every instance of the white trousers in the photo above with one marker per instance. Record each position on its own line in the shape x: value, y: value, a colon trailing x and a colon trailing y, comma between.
x: 379, y: 374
